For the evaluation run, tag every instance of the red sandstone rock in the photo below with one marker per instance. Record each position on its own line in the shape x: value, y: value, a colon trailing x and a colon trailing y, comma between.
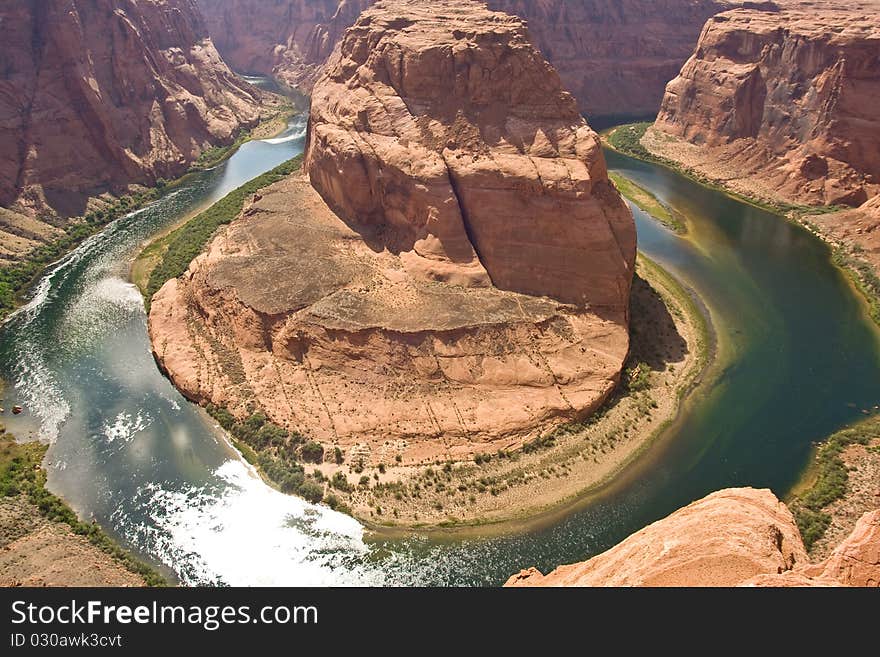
x: 734, y: 537
x: 782, y: 103
x: 856, y: 561
x: 471, y: 287
x: 454, y: 134
x: 96, y: 95
x: 615, y: 56
x: 721, y: 540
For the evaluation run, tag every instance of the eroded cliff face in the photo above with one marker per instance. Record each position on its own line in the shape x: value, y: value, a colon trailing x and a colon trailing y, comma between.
x: 96, y: 95
x: 452, y: 276
x: 289, y: 40
x: 734, y: 537
x: 781, y: 103
x: 464, y: 148
x: 615, y: 57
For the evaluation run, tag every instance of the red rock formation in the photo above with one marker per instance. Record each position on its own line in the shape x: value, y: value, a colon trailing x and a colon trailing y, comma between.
x: 734, y: 537
x: 782, y: 104
x: 614, y: 56
x: 290, y: 40
x: 496, y: 167
x: 473, y: 286
x: 96, y: 95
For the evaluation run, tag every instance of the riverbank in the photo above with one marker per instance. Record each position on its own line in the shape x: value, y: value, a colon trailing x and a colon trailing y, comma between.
x: 43, y: 543
x: 271, y: 125
x: 646, y: 201
x: 841, y: 484
x: 637, y: 140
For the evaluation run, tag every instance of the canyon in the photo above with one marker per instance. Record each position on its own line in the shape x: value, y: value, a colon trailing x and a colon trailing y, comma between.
x: 615, y: 57
x: 97, y: 96
x: 733, y: 537
x: 451, y: 275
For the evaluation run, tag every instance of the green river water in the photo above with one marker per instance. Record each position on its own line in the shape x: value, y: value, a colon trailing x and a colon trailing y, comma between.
x: 798, y: 359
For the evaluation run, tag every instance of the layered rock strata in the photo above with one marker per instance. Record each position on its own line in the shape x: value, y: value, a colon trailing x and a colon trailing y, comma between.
x: 97, y: 95
x: 781, y: 103
x: 615, y: 57
x: 734, y: 537
x: 453, y: 275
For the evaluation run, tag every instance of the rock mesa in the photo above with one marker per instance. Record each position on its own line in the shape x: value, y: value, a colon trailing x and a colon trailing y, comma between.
x: 452, y: 274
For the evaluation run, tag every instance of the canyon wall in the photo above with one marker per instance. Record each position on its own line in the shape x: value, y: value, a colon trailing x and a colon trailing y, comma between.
x: 734, y: 537
x: 451, y: 276
x: 96, y: 95
x: 781, y: 103
x: 289, y: 40
x: 615, y: 57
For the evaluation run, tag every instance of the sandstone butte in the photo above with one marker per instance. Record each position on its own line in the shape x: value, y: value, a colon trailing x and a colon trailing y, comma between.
x: 781, y: 103
x: 451, y: 277
x: 733, y: 537
x: 615, y: 56
x: 100, y: 94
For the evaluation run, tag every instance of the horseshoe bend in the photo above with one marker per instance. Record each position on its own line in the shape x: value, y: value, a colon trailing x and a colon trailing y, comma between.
x: 448, y: 275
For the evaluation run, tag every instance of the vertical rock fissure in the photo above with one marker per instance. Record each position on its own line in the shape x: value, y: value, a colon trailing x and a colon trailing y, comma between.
x: 465, y: 220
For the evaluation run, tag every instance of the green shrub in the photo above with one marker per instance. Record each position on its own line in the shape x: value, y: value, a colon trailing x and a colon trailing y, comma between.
x: 312, y: 491
x: 337, y: 456
x: 312, y: 452
x: 627, y: 139
x: 540, y: 442
x: 832, y: 479
x: 340, y: 482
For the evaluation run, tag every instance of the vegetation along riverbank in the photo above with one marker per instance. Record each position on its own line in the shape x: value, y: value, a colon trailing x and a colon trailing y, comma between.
x: 630, y: 140
x: 43, y: 543
x: 17, y: 277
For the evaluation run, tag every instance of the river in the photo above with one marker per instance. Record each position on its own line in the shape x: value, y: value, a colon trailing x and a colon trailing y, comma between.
x: 798, y: 359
